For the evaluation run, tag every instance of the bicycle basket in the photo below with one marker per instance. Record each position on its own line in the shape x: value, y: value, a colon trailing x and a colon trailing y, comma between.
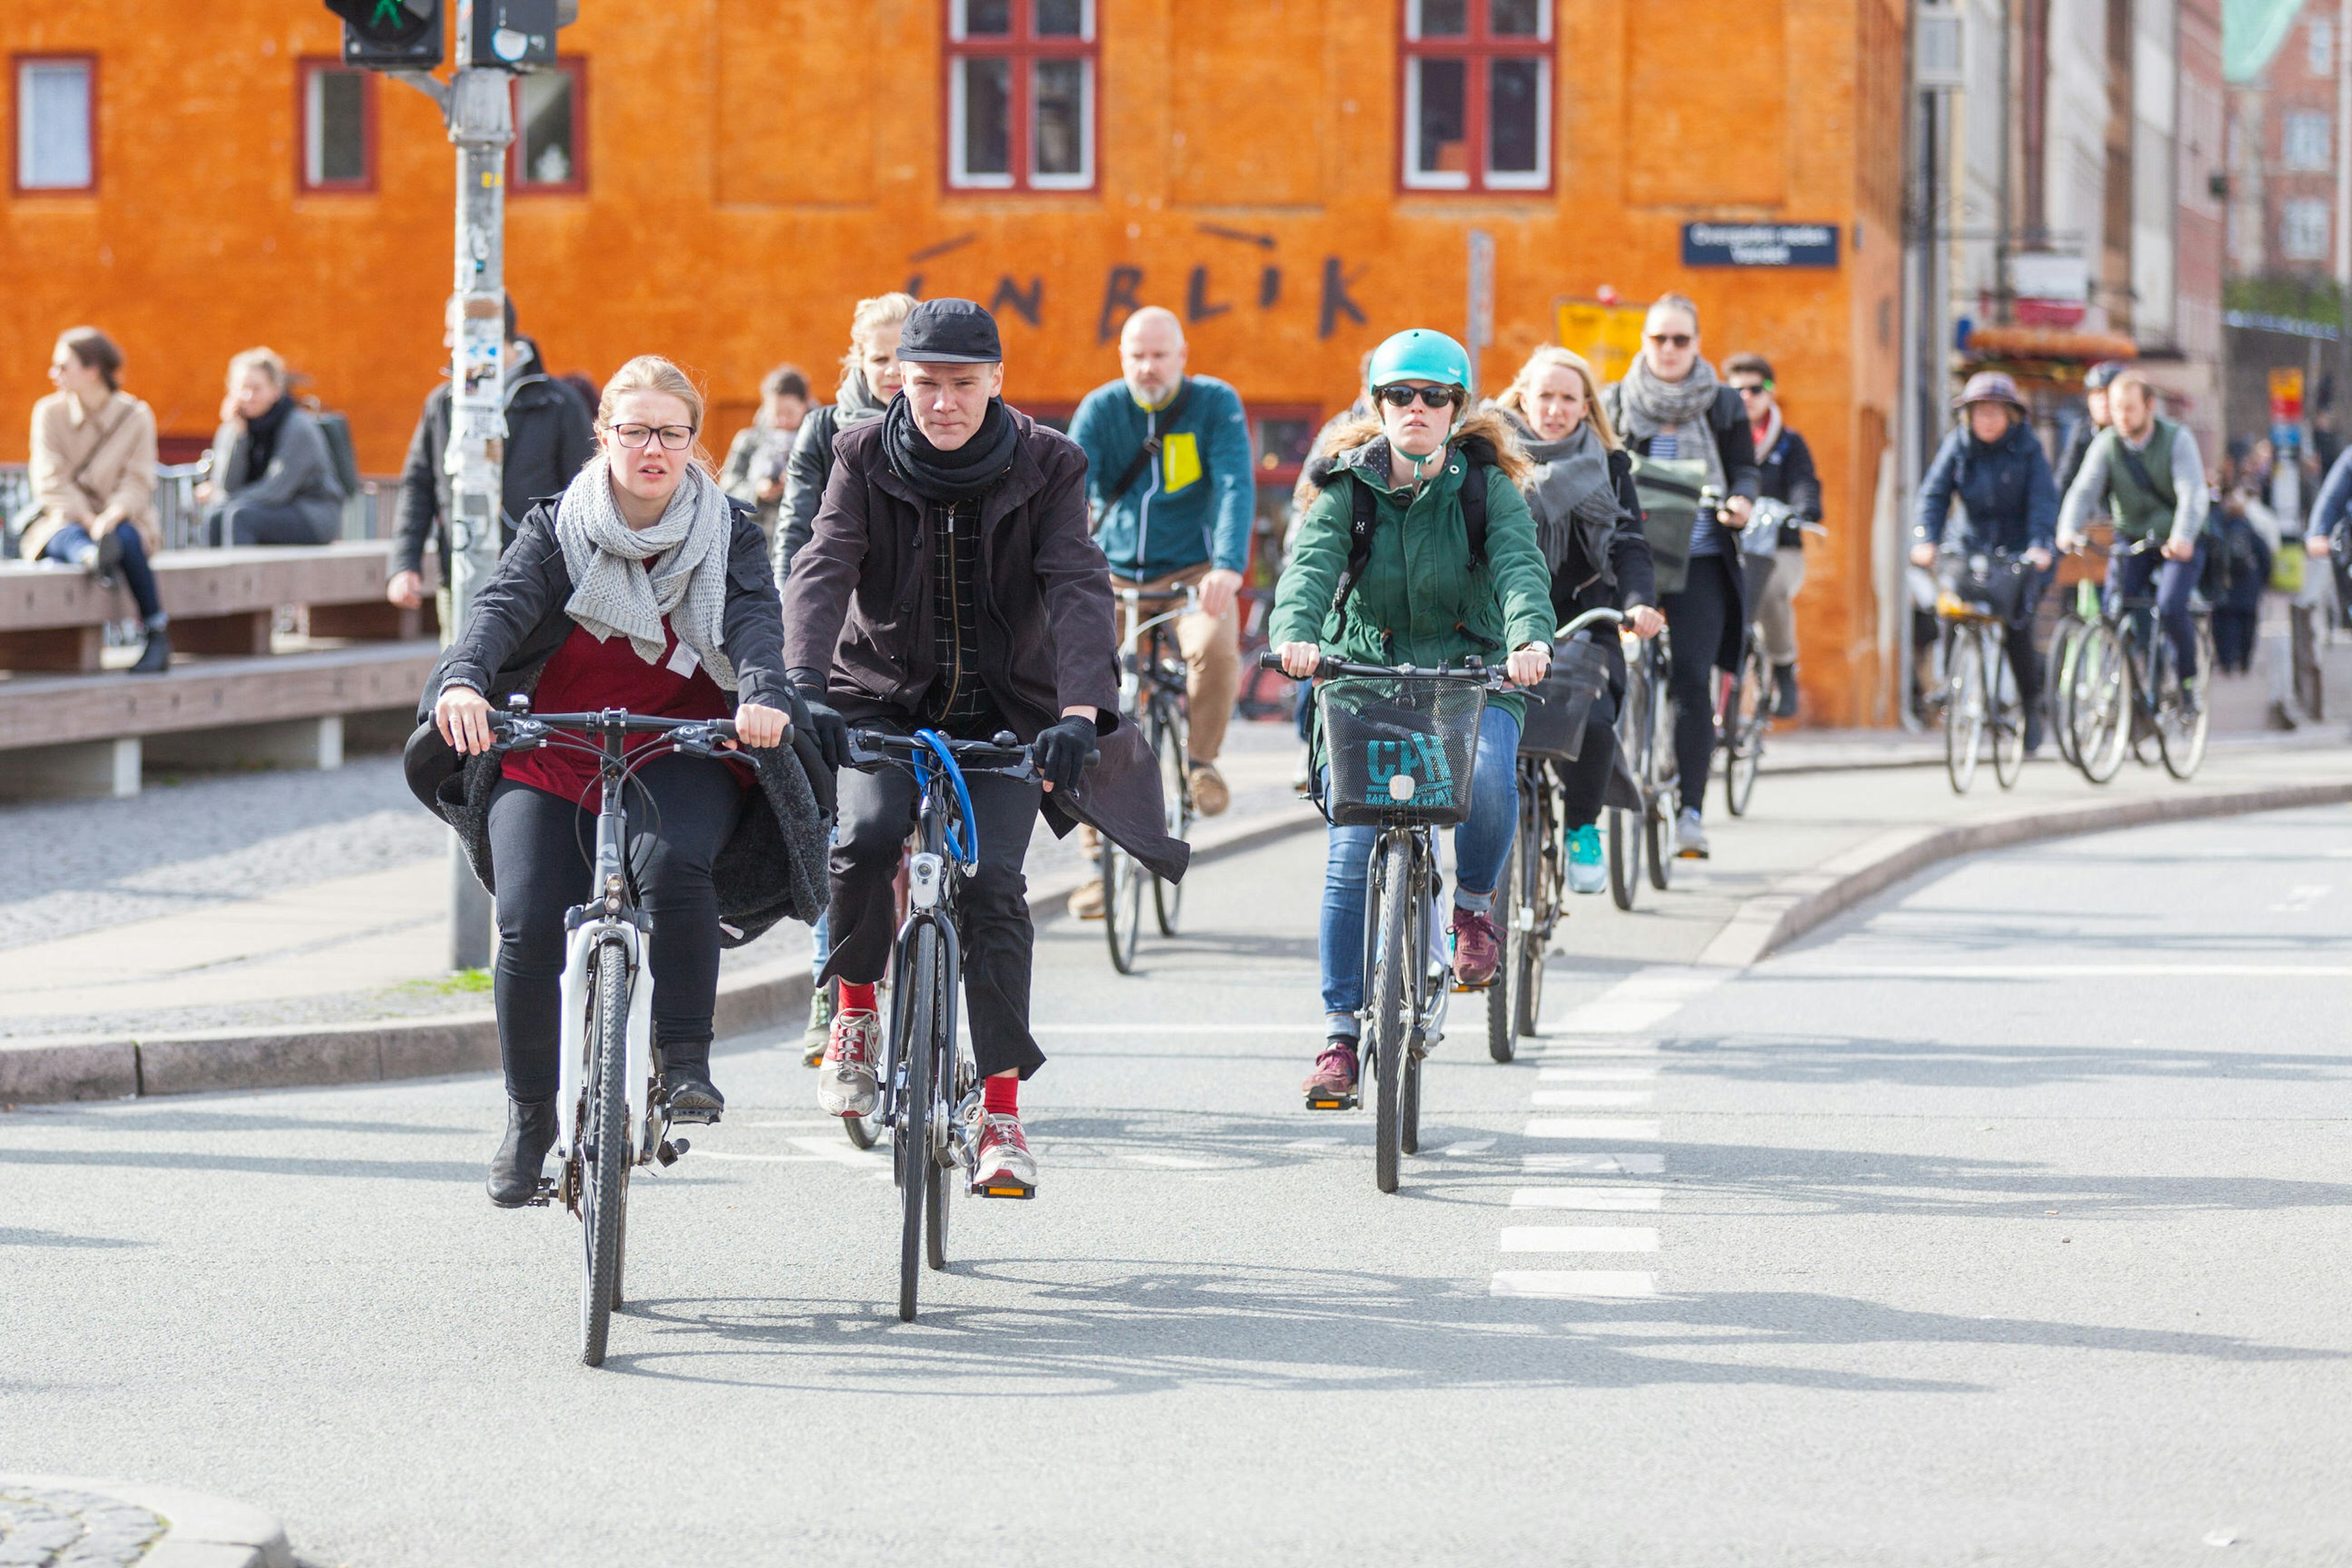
x: 1401, y: 747
x: 1559, y: 709
x: 1994, y: 583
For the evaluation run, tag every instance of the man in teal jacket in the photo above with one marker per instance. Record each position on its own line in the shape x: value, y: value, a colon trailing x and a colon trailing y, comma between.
x: 1169, y: 472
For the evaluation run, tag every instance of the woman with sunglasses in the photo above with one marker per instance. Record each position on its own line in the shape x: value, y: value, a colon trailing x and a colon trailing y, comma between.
x: 1672, y: 404
x: 641, y: 588
x: 1422, y: 599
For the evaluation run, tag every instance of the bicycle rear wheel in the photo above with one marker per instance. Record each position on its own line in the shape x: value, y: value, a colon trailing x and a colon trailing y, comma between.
x: 1661, y: 789
x: 2101, y: 703
x: 1389, y: 907
x: 1539, y: 909
x: 2007, y: 714
x: 1964, y: 717
x: 1625, y: 827
x: 1510, y: 912
x: 604, y: 1146
x: 910, y: 1135
x: 1122, y: 882
x: 1745, y: 719
x: 2179, y: 730
x: 1176, y: 801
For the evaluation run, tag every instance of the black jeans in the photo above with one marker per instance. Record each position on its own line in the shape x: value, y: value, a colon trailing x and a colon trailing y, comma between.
x: 1696, y: 617
x: 2131, y: 577
x: 540, y: 847
x: 2024, y: 659
x: 68, y: 543
x: 878, y: 812
x: 250, y: 522
x: 1584, y: 783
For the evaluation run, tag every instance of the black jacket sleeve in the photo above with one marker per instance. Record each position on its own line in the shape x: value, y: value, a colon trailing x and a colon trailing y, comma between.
x: 805, y: 472
x: 530, y: 581
x: 1628, y: 547
x: 1800, y: 484
x: 753, y: 626
x: 1737, y: 443
x: 575, y: 437
x: 420, y: 487
x: 2071, y: 455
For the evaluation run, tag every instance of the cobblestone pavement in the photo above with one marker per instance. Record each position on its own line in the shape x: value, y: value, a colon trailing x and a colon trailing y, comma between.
x: 41, y: 1527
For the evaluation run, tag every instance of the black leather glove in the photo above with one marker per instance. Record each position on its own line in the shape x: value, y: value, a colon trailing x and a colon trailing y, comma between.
x: 1061, y: 750
x: 824, y: 724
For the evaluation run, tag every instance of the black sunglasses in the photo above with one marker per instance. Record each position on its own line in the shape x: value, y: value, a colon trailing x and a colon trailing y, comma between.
x: 1751, y: 388
x: 1433, y: 396
x: 1679, y: 340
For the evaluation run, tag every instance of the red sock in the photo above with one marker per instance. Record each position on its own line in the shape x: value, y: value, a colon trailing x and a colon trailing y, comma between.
x: 855, y: 998
x: 1001, y: 1096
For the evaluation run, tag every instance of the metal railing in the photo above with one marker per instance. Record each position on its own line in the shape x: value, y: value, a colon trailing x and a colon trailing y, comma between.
x: 373, y: 513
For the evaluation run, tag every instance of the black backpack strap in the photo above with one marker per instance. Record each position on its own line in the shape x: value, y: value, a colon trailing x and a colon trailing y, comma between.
x: 1366, y: 513
x: 1474, y: 512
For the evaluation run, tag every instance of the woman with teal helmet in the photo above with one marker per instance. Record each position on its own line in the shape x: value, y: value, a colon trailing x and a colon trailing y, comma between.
x: 1423, y: 600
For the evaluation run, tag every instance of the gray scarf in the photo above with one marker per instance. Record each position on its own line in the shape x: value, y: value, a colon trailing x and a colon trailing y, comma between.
x: 612, y: 595
x: 1651, y: 407
x: 1570, y: 487
x: 854, y: 402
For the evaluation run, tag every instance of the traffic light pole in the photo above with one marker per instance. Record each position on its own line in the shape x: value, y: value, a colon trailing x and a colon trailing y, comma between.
x: 479, y: 110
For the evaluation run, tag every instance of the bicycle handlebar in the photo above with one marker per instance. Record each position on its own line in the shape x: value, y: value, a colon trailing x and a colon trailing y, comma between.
x: 1494, y: 679
x: 1591, y: 617
x: 870, y: 749
x: 696, y: 737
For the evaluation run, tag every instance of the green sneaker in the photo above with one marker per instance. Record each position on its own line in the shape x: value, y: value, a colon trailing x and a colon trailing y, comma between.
x: 1586, y: 873
x: 820, y: 1026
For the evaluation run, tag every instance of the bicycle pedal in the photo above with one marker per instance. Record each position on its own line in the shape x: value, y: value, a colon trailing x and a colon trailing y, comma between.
x: 671, y: 1150
x: 694, y: 1118
x: 543, y: 1196
x: 1333, y: 1102
x: 1003, y: 1189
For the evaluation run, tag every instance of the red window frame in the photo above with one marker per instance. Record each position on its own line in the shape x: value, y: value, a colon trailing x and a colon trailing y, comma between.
x: 304, y: 70
x: 16, y: 64
x: 1024, y: 49
x: 1477, y: 48
x: 518, y: 184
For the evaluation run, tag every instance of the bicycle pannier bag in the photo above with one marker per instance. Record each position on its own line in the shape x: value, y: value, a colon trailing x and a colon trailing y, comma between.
x: 1669, y: 491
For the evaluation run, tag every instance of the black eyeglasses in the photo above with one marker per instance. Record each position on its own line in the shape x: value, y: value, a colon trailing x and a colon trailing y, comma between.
x: 1431, y: 397
x: 673, y: 438
x: 1679, y: 340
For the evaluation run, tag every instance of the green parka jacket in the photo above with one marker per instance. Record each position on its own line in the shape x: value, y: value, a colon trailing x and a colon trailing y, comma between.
x: 1420, y: 600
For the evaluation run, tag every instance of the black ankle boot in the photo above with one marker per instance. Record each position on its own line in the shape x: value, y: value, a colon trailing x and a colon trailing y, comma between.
x: 514, y: 1169
x: 1784, y: 691
x: 156, y: 657
x: 686, y: 1084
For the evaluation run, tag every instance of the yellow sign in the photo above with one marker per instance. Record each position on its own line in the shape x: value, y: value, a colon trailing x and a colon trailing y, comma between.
x: 1608, y: 336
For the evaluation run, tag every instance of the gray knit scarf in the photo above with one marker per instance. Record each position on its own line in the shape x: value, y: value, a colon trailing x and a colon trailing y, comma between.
x: 1570, y: 491
x: 1651, y: 407
x: 687, y: 583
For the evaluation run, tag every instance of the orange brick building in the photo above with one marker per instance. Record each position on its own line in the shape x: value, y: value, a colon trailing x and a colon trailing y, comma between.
x: 1295, y: 177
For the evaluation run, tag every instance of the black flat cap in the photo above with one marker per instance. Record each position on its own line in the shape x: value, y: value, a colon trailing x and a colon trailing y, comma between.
x: 950, y: 331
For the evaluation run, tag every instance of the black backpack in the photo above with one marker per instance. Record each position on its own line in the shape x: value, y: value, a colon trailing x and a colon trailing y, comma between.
x: 1366, y: 516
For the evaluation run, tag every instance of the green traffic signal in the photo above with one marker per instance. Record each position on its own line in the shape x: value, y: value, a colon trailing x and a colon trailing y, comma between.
x: 387, y: 11
x: 391, y: 34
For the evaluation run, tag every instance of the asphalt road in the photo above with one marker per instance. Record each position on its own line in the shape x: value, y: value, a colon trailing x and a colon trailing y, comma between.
x: 2001, y: 1223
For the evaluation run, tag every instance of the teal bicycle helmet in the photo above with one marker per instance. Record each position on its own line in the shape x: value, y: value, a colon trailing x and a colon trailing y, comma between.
x: 1420, y: 354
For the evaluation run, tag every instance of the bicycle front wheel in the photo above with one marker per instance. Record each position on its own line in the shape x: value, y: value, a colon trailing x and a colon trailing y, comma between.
x: 1176, y: 801
x: 1745, y: 717
x: 604, y: 1147
x: 1510, y: 914
x: 1625, y: 827
x: 2058, y: 687
x: 1661, y: 789
x: 1391, y: 991
x: 1964, y: 719
x: 911, y: 1133
x: 1539, y: 909
x: 1122, y: 882
x: 2183, y: 717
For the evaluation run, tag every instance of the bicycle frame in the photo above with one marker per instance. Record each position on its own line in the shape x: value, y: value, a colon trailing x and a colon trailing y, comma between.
x: 1431, y: 993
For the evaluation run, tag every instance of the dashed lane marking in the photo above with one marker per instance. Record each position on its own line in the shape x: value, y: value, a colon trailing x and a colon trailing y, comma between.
x: 1593, y: 1075
x: 1592, y: 1098
x: 1627, y: 1163
x: 1572, y: 1282
x: 1596, y: 1128
x: 1590, y: 1199
x: 1579, y: 1238
x: 2067, y: 971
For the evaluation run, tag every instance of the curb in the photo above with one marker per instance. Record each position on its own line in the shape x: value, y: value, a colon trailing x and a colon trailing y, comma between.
x: 47, y: 1069
x: 116, y: 1517
x: 1800, y: 903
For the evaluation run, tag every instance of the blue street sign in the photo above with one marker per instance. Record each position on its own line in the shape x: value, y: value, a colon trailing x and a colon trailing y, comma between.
x: 1759, y: 244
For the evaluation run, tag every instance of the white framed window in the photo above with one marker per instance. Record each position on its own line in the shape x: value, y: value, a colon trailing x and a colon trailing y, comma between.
x: 1021, y: 109
x: 57, y: 123
x: 1475, y: 97
x: 550, y: 154
x: 337, y: 127
x: 2307, y: 141
x: 2304, y: 228
x: 2319, y: 46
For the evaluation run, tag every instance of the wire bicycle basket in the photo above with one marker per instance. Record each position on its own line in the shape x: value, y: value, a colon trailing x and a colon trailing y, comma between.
x: 1401, y: 748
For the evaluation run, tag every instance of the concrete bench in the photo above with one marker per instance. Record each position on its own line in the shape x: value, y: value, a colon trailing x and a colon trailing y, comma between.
x: 54, y: 617
x: 90, y: 735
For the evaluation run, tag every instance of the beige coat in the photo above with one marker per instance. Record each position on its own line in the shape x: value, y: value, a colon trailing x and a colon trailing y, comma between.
x: 113, y: 454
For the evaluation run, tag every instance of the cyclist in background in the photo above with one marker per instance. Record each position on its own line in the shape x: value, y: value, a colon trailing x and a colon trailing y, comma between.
x: 1589, y: 526
x: 1418, y: 597
x: 1168, y: 473
x: 2095, y: 382
x: 2146, y: 470
x: 1784, y: 472
x: 1993, y: 466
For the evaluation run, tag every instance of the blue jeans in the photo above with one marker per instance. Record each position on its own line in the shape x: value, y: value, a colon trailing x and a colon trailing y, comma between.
x: 2128, y: 577
x: 68, y: 543
x: 1481, y: 845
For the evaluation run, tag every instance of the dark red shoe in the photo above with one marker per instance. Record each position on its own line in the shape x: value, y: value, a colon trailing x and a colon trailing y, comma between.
x: 1478, y: 951
x: 1332, y: 1084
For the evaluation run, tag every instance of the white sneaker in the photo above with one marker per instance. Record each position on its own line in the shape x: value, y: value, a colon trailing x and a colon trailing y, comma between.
x: 1690, y: 835
x: 1002, y: 1161
x: 845, y: 1084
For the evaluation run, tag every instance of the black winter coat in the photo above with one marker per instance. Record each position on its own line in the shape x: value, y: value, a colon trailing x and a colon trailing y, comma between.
x: 773, y: 866
x: 1787, y: 475
x: 1735, y: 444
x: 549, y: 439
x: 1578, y: 584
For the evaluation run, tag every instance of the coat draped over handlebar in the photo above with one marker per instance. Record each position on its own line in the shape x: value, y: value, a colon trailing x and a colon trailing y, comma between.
x: 773, y: 866
x: 858, y: 606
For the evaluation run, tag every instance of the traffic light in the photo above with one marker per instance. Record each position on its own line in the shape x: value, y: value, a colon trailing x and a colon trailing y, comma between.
x: 517, y: 35
x: 390, y: 35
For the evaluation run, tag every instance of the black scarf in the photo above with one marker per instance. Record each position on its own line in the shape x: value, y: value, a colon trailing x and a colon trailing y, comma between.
x: 261, y: 440
x: 948, y: 478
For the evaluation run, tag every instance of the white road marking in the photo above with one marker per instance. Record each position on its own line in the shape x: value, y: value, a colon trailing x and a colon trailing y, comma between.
x: 1641, y: 1001
x: 1619, y: 1165
x: 1568, y: 1282
x: 1594, y: 1199
x: 1172, y: 1162
x: 762, y: 1159
x: 1586, y: 1075
x: 1315, y: 1143
x: 1468, y: 1146
x: 803, y: 1121
x: 2308, y: 896
x: 1579, y: 1238
x: 1591, y: 1127
x: 1176, y: 1029
x: 2069, y: 970
x: 840, y: 1152
x: 1592, y: 1098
